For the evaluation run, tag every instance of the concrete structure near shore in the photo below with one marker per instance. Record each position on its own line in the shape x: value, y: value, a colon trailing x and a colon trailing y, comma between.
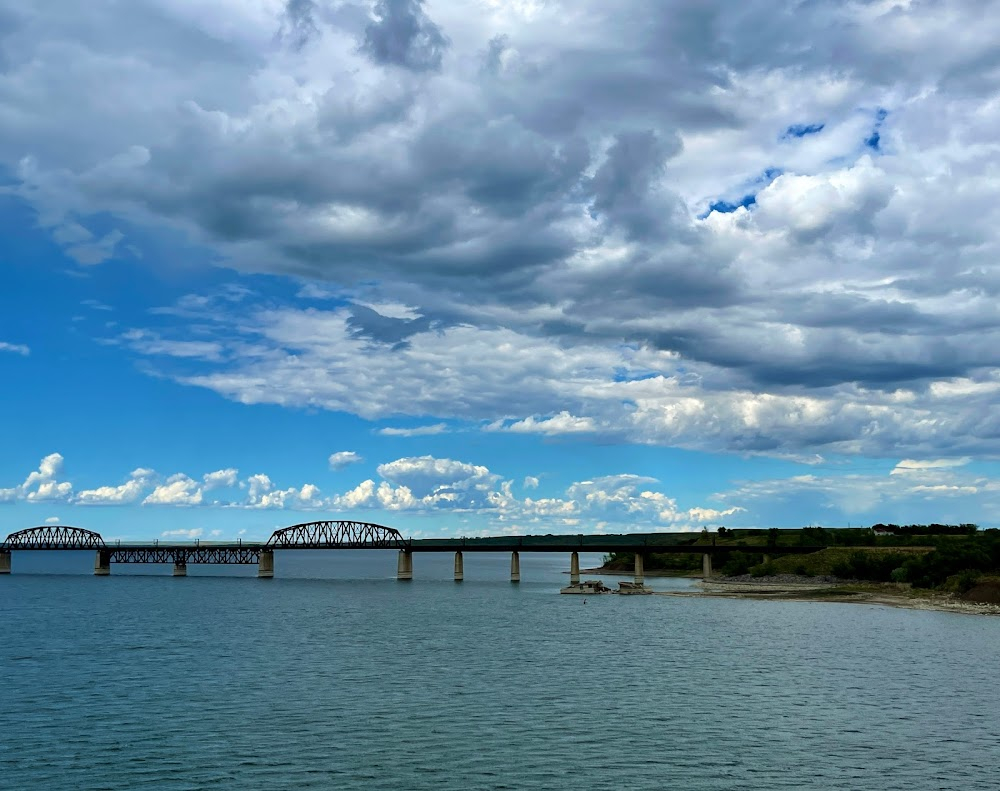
x: 362, y: 535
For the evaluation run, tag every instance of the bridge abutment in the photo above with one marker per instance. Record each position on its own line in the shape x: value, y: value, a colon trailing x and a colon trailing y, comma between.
x: 102, y: 563
x: 4, y: 562
x: 265, y: 564
x: 515, y: 567
x: 640, y: 570
x: 706, y: 566
x: 404, y: 566
x: 574, y: 568
x: 459, y: 567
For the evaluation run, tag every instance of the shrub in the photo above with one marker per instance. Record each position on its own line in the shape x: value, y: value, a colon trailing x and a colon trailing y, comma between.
x: 967, y: 580
x: 736, y: 564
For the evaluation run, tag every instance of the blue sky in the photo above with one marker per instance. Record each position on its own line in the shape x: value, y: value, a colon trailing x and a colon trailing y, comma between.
x: 481, y: 267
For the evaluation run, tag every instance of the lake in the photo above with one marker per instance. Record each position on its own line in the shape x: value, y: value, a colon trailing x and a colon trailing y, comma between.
x: 334, y: 675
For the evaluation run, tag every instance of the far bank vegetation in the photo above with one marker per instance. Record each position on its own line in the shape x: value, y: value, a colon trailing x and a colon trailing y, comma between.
x: 959, y: 559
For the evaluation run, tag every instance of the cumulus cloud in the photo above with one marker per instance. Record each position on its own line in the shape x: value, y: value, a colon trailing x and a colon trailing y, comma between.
x: 430, y: 485
x: 221, y: 478
x: 403, y: 35
x: 52, y: 520
x: 263, y: 494
x: 344, y: 458
x: 178, y: 489
x: 427, y: 475
x: 42, y: 484
x: 656, y: 226
x: 129, y: 492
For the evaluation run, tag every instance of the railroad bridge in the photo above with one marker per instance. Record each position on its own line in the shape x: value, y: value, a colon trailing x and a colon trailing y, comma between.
x: 345, y: 534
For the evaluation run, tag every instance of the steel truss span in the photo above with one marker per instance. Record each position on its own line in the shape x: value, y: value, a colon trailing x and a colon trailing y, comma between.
x: 337, y: 535
x: 53, y: 537
x: 182, y: 556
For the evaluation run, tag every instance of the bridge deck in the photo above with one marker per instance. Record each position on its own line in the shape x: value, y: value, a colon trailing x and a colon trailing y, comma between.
x: 339, y: 534
x: 612, y: 543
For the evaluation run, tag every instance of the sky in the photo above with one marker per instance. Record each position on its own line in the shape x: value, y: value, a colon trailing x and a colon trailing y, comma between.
x: 468, y: 267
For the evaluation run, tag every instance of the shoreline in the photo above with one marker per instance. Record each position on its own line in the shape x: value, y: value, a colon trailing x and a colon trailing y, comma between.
x: 808, y: 590
x: 838, y: 593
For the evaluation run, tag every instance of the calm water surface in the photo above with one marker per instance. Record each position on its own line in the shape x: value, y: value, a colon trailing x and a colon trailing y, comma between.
x: 333, y: 675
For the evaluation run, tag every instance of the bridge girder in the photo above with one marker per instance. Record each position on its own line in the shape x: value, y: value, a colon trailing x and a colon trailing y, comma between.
x: 53, y: 537
x: 337, y: 534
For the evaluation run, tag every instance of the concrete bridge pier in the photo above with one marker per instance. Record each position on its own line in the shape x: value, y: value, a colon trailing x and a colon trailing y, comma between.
x: 4, y: 562
x: 706, y: 566
x: 404, y: 566
x: 180, y: 567
x: 265, y: 564
x: 574, y: 568
x: 102, y: 563
x: 640, y: 574
x: 515, y: 566
x: 459, y: 567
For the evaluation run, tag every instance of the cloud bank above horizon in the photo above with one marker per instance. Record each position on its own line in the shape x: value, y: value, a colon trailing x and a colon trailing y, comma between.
x: 672, y: 224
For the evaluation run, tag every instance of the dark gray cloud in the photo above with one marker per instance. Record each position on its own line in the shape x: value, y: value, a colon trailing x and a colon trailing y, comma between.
x: 554, y: 179
x: 403, y: 35
x: 299, y: 23
x: 624, y: 185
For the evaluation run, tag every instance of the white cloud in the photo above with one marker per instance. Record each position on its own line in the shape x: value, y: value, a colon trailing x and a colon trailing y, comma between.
x: 52, y: 520
x: 179, y: 489
x: 429, y: 476
x: 42, y: 484
x: 427, y: 484
x: 563, y: 423
x: 548, y: 248
x: 911, y: 466
x: 220, y: 478
x: 193, y: 533
x: 360, y: 496
x: 15, y: 348
x: 418, y: 431
x: 263, y: 494
x: 344, y: 458
x: 129, y: 492
x: 530, y: 482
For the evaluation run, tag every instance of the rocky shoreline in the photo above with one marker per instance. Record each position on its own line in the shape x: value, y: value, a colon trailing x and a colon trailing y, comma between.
x: 789, y: 587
